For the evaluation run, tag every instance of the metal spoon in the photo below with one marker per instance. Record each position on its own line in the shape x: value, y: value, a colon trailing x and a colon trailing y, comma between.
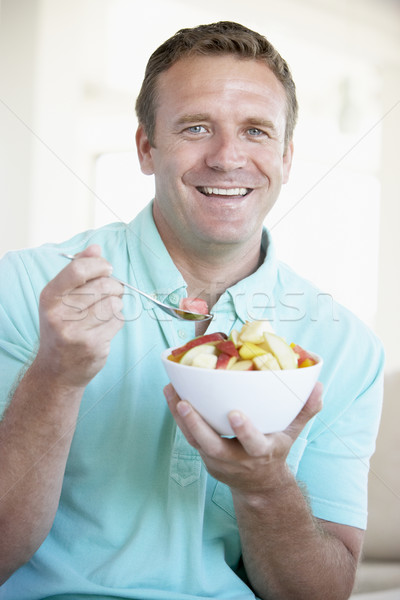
x: 178, y: 313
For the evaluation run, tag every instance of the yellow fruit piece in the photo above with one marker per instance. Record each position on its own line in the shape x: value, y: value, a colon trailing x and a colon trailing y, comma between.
x: 254, y: 331
x: 307, y: 362
x: 234, y: 337
x: 284, y: 354
x: 250, y: 350
x: 243, y: 365
x: 266, y: 362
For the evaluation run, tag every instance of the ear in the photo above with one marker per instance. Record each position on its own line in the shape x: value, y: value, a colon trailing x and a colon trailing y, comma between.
x: 144, y: 150
x: 287, y: 162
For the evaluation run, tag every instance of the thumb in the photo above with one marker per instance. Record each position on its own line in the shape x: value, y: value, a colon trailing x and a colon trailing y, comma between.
x: 92, y: 250
x: 309, y: 410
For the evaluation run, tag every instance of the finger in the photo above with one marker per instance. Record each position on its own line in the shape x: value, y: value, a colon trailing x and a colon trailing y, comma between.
x: 92, y: 250
x: 198, y: 433
x: 309, y: 410
x: 79, y: 271
x: 90, y: 305
x: 95, y: 291
x: 253, y: 441
x: 109, y: 321
x: 99, y: 314
x: 84, y: 329
x: 107, y: 310
x: 82, y: 270
x: 173, y: 400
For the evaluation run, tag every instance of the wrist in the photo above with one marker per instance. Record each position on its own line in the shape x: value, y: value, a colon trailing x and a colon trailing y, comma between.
x: 51, y: 379
x: 275, y: 486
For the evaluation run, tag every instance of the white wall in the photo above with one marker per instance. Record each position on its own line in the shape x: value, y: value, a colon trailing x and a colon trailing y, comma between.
x: 71, y: 69
x: 18, y: 41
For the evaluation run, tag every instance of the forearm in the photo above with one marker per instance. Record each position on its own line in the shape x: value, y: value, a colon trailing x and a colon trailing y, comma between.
x: 286, y: 552
x: 35, y: 438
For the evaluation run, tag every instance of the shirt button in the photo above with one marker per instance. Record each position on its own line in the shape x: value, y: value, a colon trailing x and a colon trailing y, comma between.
x: 182, y: 334
x: 173, y: 298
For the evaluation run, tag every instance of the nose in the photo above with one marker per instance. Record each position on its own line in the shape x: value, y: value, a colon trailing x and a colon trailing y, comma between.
x: 226, y: 153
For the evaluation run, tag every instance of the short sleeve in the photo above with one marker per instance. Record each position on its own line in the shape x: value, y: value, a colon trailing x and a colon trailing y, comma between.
x: 336, y: 460
x: 18, y: 323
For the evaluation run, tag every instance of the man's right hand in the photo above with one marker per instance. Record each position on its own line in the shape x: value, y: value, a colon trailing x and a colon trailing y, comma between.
x: 80, y: 313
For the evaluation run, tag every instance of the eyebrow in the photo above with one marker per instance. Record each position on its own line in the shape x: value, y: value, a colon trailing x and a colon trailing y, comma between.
x: 257, y: 122
x: 193, y: 118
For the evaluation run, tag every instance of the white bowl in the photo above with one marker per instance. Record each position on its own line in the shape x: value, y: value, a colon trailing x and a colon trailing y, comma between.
x: 270, y: 399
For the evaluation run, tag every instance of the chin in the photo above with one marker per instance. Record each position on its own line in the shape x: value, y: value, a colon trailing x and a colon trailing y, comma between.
x: 225, y: 236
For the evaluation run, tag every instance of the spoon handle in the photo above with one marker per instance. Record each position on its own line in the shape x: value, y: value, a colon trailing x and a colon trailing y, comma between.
x: 177, y: 313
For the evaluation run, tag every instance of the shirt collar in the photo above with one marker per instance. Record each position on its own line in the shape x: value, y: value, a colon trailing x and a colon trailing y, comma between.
x: 252, y: 297
x: 152, y: 267
x: 155, y: 273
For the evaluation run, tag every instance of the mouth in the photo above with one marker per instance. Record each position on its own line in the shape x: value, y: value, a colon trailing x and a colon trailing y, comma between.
x: 234, y: 191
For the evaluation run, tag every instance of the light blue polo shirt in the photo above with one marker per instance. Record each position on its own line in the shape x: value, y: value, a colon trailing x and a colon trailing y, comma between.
x: 139, y: 516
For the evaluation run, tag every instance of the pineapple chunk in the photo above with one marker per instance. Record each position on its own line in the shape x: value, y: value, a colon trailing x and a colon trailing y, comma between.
x: 250, y: 350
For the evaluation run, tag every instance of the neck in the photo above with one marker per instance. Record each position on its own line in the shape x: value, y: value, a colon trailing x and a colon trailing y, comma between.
x: 209, y: 269
x: 208, y: 279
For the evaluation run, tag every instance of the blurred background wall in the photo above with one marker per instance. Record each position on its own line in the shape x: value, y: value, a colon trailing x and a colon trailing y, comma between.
x: 70, y: 71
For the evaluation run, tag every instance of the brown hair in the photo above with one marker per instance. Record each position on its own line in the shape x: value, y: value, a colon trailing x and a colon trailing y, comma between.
x: 224, y: 37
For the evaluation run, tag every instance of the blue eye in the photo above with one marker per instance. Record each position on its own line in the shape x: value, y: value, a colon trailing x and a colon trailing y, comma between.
x: 196, y: 129
x: 255, y: 132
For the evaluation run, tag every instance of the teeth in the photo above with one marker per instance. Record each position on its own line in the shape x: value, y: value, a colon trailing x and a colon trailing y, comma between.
x: 223, y: 191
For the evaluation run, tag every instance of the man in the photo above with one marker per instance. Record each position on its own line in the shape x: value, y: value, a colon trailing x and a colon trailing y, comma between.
x: 102, y: 495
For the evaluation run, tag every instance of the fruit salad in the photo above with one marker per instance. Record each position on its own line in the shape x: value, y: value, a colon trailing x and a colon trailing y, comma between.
x: 254, y: 347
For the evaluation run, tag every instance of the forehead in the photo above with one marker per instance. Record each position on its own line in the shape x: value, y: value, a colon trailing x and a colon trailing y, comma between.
x: 224, y: 80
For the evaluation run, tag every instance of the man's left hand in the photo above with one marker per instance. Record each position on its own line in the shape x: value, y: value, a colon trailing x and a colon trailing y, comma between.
x: 251, y: 462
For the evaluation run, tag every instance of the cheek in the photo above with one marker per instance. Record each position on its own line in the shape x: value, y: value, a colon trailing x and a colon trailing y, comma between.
x: 173, y: 160
x: 169, y: 180
x: 270, y: 165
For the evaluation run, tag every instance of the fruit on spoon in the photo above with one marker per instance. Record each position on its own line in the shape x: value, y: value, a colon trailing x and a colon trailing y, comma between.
x: 194, y: 305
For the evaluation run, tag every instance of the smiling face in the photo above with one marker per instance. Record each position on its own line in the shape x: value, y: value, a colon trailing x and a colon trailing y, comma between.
x: 219, y: 158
